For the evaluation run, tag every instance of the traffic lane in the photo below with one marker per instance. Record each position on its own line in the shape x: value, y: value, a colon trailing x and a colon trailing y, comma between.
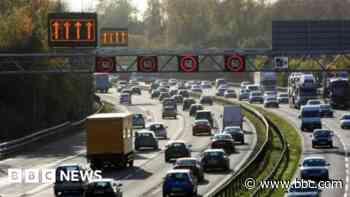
x: 140, y: 174
x: 335, y: 156
x: 214, y: 179
x: 19, y: 189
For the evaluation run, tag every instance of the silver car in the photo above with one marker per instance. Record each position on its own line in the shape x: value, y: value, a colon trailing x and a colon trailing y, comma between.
x: 314, y: 168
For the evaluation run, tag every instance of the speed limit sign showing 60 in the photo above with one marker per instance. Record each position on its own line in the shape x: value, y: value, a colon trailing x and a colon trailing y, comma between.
x: 147, y: 64
x: 105, y: 65
x: 188, y: 63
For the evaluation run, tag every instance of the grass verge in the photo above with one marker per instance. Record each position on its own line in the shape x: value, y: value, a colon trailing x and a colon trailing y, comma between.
x: 294, y: 145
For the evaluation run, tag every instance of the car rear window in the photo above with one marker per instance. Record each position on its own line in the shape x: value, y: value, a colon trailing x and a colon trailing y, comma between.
x: 103, y: 184
x: 177, y: 176
x: 186, y: 162
x: 215, y: 154
x: 222, y: 137
x: 314, y: 162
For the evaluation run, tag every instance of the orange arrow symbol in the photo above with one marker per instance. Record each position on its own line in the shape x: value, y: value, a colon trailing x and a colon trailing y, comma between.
x: 78, y: 26
x: 89, y: 29
x: 56, y: 27
x: 67, y: 27
x: 105, y: 38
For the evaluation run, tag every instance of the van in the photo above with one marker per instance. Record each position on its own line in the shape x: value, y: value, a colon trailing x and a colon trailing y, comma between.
x: 310, y: 118
x: 232, y: 116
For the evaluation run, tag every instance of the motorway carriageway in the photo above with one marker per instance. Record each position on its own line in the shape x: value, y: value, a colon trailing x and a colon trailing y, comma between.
x: 145, y: 178
x: 339, y: 164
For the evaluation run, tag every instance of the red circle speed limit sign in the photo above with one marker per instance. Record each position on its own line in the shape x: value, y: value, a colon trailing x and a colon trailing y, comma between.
x: 235, y: 63
x: 105, y: 64
x: 147, y: 64
x: 188, y: 63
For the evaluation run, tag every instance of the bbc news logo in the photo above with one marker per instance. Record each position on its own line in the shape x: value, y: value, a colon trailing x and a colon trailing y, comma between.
x: 42, y: 176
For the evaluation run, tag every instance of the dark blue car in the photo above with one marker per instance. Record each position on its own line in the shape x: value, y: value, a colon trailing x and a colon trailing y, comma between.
x: 180, y: 182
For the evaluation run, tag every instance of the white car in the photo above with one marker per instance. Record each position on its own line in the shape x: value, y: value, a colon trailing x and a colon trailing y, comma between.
x: 314, y: 168
x: 345, y: 121
x: 314, y: 102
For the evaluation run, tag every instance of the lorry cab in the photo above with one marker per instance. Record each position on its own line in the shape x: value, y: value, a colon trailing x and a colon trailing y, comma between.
x: 310, y: 118
x: 232, y: 116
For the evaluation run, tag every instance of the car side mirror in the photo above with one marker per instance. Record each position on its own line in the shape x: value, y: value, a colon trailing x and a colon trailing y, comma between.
x: 189, y: 145
x: 120, y: 184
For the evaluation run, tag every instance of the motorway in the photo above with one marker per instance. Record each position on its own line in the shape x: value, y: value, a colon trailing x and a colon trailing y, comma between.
x: 336, y: 156
x: 145, y: 178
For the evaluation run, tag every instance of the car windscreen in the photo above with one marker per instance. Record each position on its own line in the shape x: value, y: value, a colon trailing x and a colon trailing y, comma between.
x: 144, y: 135
x: 346, y: 117
x: 310, y: 113
x: 157, y: 126
x: 203, y: 122
x: 232, y: 130
x: 187, y: 162
x: 322, y: 133
x: 222, y: 137
x: 214, y: 154
x: 177, y: 176
x: 203, y: 115
x: 102, y: 185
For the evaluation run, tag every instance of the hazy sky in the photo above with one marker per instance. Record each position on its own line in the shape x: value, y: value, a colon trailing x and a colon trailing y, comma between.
x: 76, y: 5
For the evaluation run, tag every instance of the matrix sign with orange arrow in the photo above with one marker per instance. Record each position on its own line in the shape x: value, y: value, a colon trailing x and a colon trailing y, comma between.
x: 72, y: 30
x: 114, y: 37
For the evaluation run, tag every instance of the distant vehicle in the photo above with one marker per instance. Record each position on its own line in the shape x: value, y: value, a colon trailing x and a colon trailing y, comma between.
x: 221, y: 91
x: 173, y: 92
x: 180, y: 182
x: 206, y: 100
x: 155, y: 94
x: 121, y: 88
x: 194, y: 108
x: 196, y: 89
x: 314, y: 168
x: 310, y: 118
x: 326, y: 110
x: 200, y: 127
x: 283, y: 98
x: 63, y: 187
x: 169, y: 108
x: 253, y: 87
x: 102, y: 82
x: 187, y: 103
x: 191, y: 164
x: 136, y: 90
x: 230, y: 93
x: 338, y: 92
x: 206, y: 86
x: 256, y: 97
x: 322, y: 137
x: 271, y: 102
x: 138, y: 121
x: 345, y: 122
x: 159, y: 129
x: 219, y: 82
x: 146, y: 139
x: 310, y: 191
x: 215, y: 159
x: 236, y: 133
x: 109, y: 140
x: 104, y: 188
x: 176, y: 149
x: 243, y: 94
x: 126, y: 91
x: 125, y: 98
x: 232, y: 116
x: 266, y: 80
x: 314, y: 102
x: 178, y: 98
x: 205, y: 114
x: 184, y: 93
x: 163, y: 95
x: 244, y: 84
x: 270, y: 94
x: 223, y: 141
x: 163, y: 89
x: 301, y: 88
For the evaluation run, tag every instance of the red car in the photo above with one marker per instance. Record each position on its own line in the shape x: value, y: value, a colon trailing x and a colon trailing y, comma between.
x: 201, y: 126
